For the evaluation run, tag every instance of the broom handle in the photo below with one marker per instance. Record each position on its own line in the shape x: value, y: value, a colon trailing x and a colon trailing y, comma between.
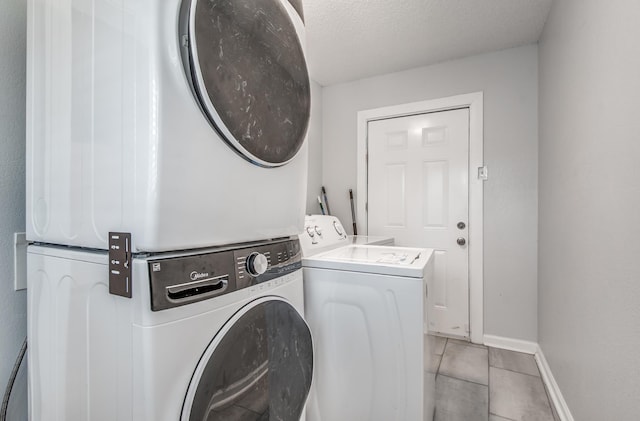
x: 353, y: 213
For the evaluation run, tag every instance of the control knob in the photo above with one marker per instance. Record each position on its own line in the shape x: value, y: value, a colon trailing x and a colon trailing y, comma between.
x: 257, y: 264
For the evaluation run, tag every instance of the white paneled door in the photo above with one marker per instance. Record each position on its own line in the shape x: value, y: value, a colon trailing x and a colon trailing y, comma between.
x: 418, y: 192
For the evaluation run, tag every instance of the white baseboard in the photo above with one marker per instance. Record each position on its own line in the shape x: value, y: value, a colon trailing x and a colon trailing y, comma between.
x: 554, y: 390
x: 510, y: 344
x: 533, y: 348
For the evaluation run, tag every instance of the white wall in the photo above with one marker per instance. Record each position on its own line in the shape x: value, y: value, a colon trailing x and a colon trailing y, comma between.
x: 314, y: 137
x: 13, y: 305
x: 509, y: 80
x: 589, y: 229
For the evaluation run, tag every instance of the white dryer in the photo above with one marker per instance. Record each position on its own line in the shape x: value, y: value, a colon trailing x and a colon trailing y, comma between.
x: 182, y: 122
x: 365, y: 305
x: 213, y: 336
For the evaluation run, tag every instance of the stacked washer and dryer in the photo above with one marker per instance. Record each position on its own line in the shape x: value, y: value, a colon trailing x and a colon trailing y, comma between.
x: 166, y: 183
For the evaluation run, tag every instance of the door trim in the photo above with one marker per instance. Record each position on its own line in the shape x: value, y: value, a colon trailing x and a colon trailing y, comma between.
x: 474, y: 102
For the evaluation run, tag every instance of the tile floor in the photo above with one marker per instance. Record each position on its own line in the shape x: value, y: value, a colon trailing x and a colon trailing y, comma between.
x: 479, y: 383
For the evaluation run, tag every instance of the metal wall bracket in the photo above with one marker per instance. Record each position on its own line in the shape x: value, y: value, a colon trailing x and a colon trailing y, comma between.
x: 120, y: 264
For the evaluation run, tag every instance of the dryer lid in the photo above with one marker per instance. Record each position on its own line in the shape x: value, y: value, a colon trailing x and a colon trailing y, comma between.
x: 258, y: 367
x: 249, y: 74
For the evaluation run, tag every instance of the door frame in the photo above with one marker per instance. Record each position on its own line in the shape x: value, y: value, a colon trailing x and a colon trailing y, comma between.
x: 474, y: 102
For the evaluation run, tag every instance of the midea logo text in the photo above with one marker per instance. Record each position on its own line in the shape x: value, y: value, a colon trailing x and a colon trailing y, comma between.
x: 197, y: 275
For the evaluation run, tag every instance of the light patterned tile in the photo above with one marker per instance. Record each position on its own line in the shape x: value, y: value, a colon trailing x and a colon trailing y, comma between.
x: 493, y: 417
x: 432, y: 363
x: 518, y: 396
x: 465, y: 362
x: 433, y: 349
x: 435, y: 344
x: 514, y: 361
x: 462, y: 342
x: 457, y: 400
x: 429, y: 395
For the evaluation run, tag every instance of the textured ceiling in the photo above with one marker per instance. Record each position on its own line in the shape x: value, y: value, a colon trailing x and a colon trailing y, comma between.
x: 352, y: 39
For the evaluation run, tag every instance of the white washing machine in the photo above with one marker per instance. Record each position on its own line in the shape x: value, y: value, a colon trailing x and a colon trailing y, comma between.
x: 212, y: 336
x: 365, y: 305
x: 173, y: 120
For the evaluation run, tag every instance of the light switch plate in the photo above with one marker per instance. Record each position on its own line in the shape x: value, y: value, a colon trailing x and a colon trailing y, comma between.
x: 19, y: 261
x: 483, y: 173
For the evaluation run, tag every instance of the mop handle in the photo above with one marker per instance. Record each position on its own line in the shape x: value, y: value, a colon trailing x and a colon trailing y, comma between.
x: 326, y: 200
x: 353, y: 213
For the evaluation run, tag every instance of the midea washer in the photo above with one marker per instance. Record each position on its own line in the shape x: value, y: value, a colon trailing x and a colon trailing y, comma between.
x: 217, y: 335
x: 172, y: 120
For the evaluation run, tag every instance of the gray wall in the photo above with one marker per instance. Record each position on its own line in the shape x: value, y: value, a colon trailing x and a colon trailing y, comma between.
x: 314, y: 137
x: 509, y: 80
x: 13, y: 305
x: 589, y: 229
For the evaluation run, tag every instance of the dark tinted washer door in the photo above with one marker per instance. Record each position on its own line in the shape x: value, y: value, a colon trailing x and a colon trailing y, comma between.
x: 297, y: 4
x: 250, y: 76
x: 259, y: 367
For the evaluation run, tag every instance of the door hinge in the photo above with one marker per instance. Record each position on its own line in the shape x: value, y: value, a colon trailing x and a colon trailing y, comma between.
x: 483, y: 173
x: 120, y: 264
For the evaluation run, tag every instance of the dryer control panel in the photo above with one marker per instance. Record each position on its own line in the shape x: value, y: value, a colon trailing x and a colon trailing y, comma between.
x: 188, y: 279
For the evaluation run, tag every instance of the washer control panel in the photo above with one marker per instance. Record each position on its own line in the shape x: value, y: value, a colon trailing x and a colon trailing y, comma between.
x: 183, y: 280
x: 321, y: 232
x: 264, y: 263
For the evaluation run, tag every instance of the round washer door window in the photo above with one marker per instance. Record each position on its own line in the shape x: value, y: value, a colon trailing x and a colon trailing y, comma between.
x: 258, y: 367
x: 249, y: 74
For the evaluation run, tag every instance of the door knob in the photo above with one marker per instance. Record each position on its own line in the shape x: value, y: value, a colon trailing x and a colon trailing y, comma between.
x: 461, y: 241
